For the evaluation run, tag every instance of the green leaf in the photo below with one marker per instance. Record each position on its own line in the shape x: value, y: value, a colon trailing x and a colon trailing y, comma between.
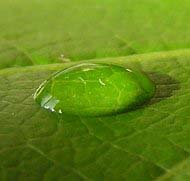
x: 86, y: 29
x: 149, y: 142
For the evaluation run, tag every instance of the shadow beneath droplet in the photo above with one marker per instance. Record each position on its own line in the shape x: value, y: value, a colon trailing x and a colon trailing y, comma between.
x: 165, y: 86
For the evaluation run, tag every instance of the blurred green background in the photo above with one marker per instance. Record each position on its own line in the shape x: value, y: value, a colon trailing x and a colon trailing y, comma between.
x: 40, y: 31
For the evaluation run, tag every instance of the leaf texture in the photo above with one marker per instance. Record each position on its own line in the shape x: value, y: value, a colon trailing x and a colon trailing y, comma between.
x: 151, y: 142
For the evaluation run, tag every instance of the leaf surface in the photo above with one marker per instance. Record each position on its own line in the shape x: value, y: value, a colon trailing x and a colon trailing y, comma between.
x: 151, y: 142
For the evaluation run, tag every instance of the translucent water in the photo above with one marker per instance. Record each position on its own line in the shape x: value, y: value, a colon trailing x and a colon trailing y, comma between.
x: 93, y: 89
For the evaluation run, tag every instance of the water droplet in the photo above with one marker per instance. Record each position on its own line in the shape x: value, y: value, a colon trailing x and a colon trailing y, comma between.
x: 63, y: 58
x: 94, y: 89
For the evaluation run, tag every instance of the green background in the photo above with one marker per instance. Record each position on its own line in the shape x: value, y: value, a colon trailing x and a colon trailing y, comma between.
x: 149, y: 143
x: 36, y: 32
